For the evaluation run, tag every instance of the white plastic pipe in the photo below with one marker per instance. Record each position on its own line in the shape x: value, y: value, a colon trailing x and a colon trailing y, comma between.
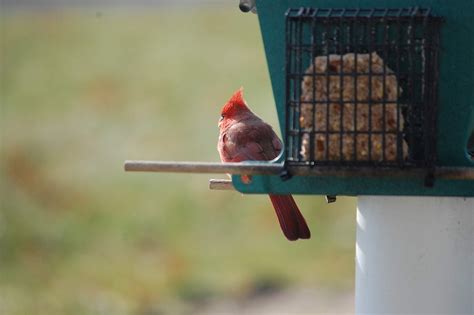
x: 415, y: 255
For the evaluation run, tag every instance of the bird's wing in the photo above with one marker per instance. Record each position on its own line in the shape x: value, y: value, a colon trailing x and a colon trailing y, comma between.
x: 250, y: 141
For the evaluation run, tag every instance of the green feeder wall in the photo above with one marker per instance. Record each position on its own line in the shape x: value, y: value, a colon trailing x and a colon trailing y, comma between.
x: 449, y: 99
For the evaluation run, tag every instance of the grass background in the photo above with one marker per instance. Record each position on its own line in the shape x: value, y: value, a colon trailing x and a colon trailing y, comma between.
x: 83, y: 90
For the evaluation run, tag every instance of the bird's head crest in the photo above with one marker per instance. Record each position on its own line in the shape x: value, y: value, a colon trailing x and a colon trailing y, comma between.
x: 235, y: 105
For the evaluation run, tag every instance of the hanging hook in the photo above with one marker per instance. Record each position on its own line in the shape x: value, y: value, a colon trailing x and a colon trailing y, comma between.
x: 248, y: 6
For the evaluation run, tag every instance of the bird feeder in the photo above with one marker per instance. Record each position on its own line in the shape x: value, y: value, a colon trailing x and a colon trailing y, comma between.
x: 375, y: 98
x: 371, y: 99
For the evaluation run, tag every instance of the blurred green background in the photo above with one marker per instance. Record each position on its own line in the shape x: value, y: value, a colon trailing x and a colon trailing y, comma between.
x: 82, y: 90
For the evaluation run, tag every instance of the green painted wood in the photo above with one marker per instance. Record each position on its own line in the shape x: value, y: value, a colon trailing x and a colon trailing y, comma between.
x: 353, y: 186
x: 456, y: 99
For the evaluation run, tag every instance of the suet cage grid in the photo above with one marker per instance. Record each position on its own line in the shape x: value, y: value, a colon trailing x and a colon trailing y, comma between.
x: 361, y: 87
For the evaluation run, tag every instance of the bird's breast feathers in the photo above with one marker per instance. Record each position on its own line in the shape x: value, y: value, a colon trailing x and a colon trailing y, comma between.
x: 248, y: 140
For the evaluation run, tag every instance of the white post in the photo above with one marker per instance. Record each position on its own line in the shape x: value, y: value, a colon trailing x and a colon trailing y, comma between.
x: 415, y: 255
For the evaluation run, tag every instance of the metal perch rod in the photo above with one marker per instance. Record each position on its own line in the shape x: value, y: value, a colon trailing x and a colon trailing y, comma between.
x: 221, y: 184
x: 460, y: 173
x: 202, y: 167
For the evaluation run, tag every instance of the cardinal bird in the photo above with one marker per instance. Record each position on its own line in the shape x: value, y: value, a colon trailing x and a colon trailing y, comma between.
x: 243, y: 137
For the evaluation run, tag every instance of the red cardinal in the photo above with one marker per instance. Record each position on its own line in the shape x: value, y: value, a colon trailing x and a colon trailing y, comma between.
x: 243, y: 136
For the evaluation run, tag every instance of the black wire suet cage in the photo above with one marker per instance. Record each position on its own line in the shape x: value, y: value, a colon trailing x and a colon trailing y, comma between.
x: 361, y: 87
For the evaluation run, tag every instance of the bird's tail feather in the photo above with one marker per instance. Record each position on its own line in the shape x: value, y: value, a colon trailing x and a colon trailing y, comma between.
x: 291, y: 220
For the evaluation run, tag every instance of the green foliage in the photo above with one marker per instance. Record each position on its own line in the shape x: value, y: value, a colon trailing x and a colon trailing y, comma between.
x: 82, y: 92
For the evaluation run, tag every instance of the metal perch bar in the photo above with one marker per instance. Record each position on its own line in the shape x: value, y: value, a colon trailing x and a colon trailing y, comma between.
x: 203, y: 167
x: 221, y: 184
x: 458, y: 173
